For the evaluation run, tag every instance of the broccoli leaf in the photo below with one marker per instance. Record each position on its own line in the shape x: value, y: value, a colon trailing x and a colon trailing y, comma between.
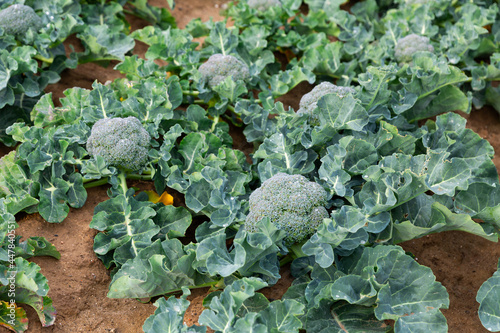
x: 158, y: 269
x: 128, y: 225
x: 487, y: 297
x: 169, y: 316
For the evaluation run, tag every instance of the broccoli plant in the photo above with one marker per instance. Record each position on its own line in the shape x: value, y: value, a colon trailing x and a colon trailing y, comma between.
x: 220, y: 67
x: 32, y: 50
x: 121, y: 142
x: 18, y: 19
x: 384, y: 176
x: 292, y: 203
x: 409, y: 45
x: 309, y: 102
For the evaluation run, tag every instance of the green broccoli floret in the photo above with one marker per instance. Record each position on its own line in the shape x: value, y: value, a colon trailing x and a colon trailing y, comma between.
x: 407, y: 46
x: 122, y: 142
x: 262, y: 5
x: 18, y: 19
x: 218, y: 67
x: 292, y: 203
x: 309, y: 102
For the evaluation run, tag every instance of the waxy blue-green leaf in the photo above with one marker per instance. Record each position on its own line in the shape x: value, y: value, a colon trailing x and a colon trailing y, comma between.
x: 160, y: 268
x: 97, y: 168
x: 282, y: 152
x: 359, y: 155
x: 230, y: 90
x: 221, y: 39
x: 169, y: 316
x: 341, y: 317
x: 102, y: 45
x: 450, y: 134
x: 36, y: 246
x: 375, y: 85
x: 329, y: 7
x: 128, y: 227
x: 449, y: 98
x: 173, y: 221
x: 15, y: 186
x: 101, y: 103
x: 285, y: 81
x: 487, y: 297
x: 28, y: 277
x: 324, y: 59
x: 16, y: 62
x: 281, y: 316
x: 46, y: 114
x: 332, y: 173
x: 342, y: 113
x: 429, y: 75
x: 409, y: 293
x: 390, y: 140
x: 192, y: 148
x: 219, y: 261
x: 261, y: 248
x: 222, y: 311
x: 347, y: 229
x: 467, y: 33
x: 487, y: 208
x: 406, y: 292
x: 423, y: 215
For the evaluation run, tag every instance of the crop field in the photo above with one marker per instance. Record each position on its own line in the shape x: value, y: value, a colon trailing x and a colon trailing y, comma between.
x: 188, y: 166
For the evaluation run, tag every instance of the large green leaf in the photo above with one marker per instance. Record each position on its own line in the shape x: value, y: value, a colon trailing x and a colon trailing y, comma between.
x: 342, y: 113
x: 488, y: 297
x: 386, y: 277
x: 423, y: 216
x: 158, y: 269
x: 31, y: 289
x: 341, y: 317
x: 15, y: 186
x: 169, y: 316
x: 127, y: 225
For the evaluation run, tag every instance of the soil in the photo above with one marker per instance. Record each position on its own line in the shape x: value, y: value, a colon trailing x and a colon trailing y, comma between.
x: 79, y: 281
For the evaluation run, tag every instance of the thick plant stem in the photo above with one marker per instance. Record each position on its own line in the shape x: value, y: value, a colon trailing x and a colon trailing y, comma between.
x: 215, y: 121
x: 139, y: 177
x: 190, y: 93
x: 123, y: 181
x: 94, y: 183
x: 90, y: 183
x: 43, y: 59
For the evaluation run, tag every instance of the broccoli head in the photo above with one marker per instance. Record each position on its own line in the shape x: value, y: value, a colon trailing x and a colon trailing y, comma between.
x: 218, y: 67
x: 262, y: 5
x: 122, y: 142
x: 18, y: 19
x: 407, y: 46
x: 309, y: 102
x: 292, y: 203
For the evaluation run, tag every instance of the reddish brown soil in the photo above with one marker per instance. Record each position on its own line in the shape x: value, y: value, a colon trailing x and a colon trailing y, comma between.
x: 79, y: 282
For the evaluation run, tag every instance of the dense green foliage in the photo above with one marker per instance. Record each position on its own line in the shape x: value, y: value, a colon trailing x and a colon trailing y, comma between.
x: 383, y: 177
x: 32, y: 59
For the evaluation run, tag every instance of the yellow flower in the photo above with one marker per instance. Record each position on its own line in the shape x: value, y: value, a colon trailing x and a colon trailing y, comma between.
x: 165, y: 198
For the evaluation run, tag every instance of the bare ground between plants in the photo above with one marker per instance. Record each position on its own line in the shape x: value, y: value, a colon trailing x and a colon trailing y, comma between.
x: 79, y: 282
